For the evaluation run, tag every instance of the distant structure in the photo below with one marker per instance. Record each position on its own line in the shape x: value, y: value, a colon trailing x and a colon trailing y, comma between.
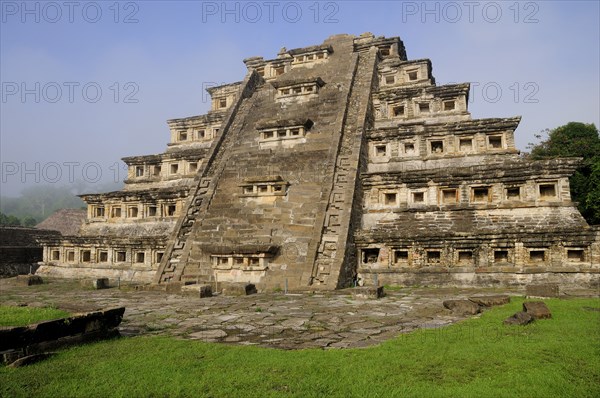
x: 65, y: 221
x: 20, y: 249
x: 331, y: 165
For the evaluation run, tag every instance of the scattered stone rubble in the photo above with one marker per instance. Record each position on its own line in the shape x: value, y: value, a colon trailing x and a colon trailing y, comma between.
x: 532, y: 310
x: 475, y: 304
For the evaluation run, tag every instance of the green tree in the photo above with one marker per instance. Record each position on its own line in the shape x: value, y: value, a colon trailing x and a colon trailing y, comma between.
x: 592, y: 200
x: 9, y: 220
x: 29, y: 221
x: 576, y: 139
x: 40, y: 201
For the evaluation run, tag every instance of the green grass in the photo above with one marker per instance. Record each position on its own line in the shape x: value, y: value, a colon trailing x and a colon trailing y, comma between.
x: 477, y: 358
x: 22, y: 316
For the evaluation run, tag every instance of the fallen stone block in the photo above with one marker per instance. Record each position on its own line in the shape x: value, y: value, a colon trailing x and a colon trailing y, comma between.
x: 205, y: 291
x: 250, y: 289
x: 173, y: 287
x: 100, y: 283
x: 537, y: 310
x: 490, y: 301
x: 520, y: 318
x: 238, y: 289
x: 542, y: 291
x: 368, y: 292
x: 31, y: 359
x: 16, y: 342
x: 29, y: 280
x: 462, y: 307
x: 11, y: 355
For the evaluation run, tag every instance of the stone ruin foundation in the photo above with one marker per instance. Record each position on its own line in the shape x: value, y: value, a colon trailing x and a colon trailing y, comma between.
x: 333, y: 165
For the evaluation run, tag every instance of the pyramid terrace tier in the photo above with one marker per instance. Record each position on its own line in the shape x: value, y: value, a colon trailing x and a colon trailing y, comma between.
x: 430, y: 103
x: 485, y: 259
x: 164, y: 170
x: 505, y: 183
x: 150, y: 205
x: 394, y: 73
x: 126, y: 258
x: 441, y: 145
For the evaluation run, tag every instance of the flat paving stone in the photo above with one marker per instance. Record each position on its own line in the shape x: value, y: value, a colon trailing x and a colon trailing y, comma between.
x: 208, y: 334
x: 293, y: 323
x: 327, y: 320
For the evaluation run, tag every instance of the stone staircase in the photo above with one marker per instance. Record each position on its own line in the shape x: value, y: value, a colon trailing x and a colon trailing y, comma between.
x: 174, y: 259
x: 335, y: 258
x: 301, y: 230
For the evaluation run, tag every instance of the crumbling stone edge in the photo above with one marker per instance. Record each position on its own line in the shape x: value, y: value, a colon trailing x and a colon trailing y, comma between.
x: 32, y: 340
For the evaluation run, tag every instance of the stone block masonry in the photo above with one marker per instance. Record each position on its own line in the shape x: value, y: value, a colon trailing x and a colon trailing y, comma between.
x: 336, y: 165
x: 16, y: 342
x: 21, y: 250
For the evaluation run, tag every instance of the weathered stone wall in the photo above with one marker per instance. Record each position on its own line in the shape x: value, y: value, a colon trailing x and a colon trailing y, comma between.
x: 129, y: 259
x: 16, y: 342
x: 20, y: 249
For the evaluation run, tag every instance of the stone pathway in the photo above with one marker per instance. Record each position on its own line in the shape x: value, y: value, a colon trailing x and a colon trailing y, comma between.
x: 292, y: 321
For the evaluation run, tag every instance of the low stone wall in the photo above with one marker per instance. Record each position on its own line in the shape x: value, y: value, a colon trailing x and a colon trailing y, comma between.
x: 488, y: 279
x: 20, y: 250
x: 129, y: 275
x: 11, y: 270
x: 17, y: 342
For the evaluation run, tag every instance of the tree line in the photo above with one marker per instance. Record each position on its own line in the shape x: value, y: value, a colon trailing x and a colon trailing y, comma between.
x: 38, y: 202
x: 581, y: 140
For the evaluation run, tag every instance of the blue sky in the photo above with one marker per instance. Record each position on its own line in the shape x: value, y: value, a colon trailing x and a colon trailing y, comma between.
x: 86, y: 83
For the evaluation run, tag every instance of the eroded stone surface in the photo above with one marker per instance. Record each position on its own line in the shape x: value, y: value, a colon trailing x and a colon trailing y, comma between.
x: 537, y: 310
x: 491, y: 301
x: 368, y: 292
x: 520, y: 318
x: 542, y: 290
x: 463, y: 307
x: 332, y: 320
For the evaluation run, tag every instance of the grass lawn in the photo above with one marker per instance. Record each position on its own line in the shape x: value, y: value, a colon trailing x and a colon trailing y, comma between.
x: 22, y: 316
x: 479, y: 357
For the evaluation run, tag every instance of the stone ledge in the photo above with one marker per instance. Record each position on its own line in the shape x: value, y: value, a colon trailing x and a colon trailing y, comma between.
x: 17, y: 342
x: 478, y: 270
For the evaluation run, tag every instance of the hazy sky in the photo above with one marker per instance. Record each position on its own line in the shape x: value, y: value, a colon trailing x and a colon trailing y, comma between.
x: 86, y: 83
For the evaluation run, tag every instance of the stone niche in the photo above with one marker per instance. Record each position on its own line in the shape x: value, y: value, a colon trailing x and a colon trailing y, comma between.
x: 263, y: 190
x: 282, y: 133
x: 246, y: 263
x: 297, y: 90
x: 222, y: 97
x: 310, y: 56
